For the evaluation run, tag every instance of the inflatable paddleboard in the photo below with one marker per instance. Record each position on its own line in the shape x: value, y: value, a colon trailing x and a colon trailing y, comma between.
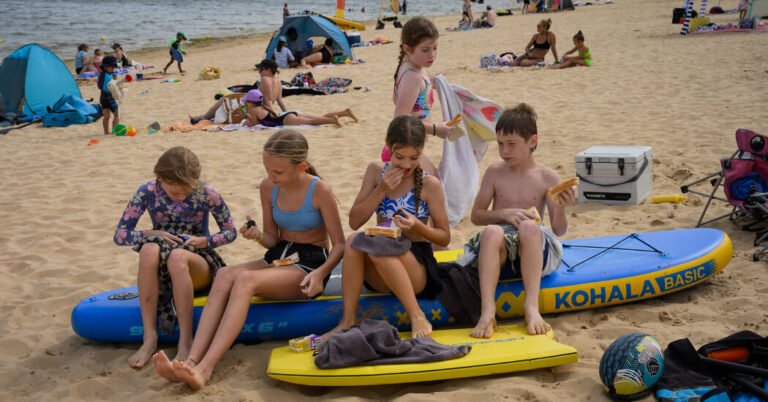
x: 345, y: 25
x: 511, y: 349
x: 595, y: 272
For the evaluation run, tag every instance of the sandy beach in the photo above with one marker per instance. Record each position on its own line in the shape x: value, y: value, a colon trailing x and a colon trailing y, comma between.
x: 684, y: 96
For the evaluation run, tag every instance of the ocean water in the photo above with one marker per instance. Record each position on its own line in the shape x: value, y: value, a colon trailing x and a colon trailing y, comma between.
x: 61, y: 25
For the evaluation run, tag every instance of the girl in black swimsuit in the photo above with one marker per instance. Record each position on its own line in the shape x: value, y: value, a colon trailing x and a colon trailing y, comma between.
x: 265, y: 116
x: 323, y: 56
x: 537, y: 48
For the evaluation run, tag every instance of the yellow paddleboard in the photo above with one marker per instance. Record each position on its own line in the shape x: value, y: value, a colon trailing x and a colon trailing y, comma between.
x: 345, y: 25
x: 510, y: 349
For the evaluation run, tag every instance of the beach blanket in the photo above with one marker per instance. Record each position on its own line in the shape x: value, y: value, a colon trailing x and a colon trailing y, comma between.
x: 458, y: 167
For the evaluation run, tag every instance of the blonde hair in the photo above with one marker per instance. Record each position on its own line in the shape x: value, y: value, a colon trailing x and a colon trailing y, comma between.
x: 547, y: 23
x: 179, y: 166
x: 290, y: 144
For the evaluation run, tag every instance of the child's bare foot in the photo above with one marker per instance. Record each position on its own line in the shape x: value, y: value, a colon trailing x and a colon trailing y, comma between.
x: 142, y: 356
x: 190, y: 375
x: 164, y: 367
x: 420, y: 327
x: 338, y: 120
x: 341, y: 327
x: 535, y: 323
x: 484, y: 328
x: 351, y: 114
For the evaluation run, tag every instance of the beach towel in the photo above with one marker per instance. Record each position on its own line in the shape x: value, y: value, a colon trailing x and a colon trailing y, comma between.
x: 376, y: 342
x: 458, y: 168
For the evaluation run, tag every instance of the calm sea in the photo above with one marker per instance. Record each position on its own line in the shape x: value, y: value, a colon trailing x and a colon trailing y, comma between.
x: 61, y: 25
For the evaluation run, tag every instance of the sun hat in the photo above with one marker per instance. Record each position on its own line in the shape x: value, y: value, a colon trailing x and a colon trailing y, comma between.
x: 282, y: 38
x: 182, y: 35
x: 254, y: 95
x: 109, y: 61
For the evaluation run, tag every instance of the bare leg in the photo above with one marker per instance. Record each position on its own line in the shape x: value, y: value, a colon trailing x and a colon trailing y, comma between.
x: 353, y: 268
x: 279, y: 283
x: 167, y: 65
x: 531, y: 261
x: 344, y: 113
x: 209, y: 114
x: 188, y: 271
x: 105, y: 121
x: 180, y: 70
x: 294, y: 120
x: 406, y: 277
x: 529, y: 62
x: 149, y: 263
x: 116, y: 119
x: 214, y: 308
x: 492, y: 253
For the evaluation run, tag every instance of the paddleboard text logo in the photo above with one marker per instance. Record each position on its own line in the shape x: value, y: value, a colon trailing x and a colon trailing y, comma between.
x: 636, y: 290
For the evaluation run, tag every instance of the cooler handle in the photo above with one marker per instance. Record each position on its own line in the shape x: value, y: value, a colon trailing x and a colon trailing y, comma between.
x: 630, y: 180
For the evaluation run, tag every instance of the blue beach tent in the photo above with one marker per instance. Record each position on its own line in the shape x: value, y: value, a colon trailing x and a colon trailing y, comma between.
x: 308, y: 26
x: 36, y: 76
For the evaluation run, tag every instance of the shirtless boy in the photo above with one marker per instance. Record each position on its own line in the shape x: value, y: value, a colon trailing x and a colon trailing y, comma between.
x: 513, y: 244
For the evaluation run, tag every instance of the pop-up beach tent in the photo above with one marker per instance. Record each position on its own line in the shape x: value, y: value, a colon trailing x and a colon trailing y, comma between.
x: 36, y: 76
x: 308, y: 26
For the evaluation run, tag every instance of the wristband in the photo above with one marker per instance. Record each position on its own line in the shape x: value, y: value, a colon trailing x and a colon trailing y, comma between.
x: 260, y: 238
x: 434, y: 129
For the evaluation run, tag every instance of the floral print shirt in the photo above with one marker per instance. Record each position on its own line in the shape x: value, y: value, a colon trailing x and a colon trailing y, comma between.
x: 164, y: 212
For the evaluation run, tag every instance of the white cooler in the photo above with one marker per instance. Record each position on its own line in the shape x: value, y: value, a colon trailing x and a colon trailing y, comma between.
x: 615, y: 174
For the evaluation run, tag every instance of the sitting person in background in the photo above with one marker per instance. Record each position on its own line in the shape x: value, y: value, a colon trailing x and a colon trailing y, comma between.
x: 296, y: 46
x: 120, y: 55
x: 93, y: 63
x: 283, y: 56
x: 80, y: 57
x: 319, y: 55
x: 584, y: 58
x: 269, y: 85
x: 260, y: 114
x: 488, y: 19
x: 539, y: 46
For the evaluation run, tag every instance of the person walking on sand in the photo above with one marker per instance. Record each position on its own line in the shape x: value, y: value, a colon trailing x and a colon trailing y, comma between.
x: 176, y: 52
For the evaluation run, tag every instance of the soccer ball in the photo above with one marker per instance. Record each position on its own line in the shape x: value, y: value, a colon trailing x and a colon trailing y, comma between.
x: 631, y: 366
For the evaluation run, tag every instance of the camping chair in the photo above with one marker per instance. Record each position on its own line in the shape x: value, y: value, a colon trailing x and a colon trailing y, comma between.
x: 744, y: 180
x: 233, y: 108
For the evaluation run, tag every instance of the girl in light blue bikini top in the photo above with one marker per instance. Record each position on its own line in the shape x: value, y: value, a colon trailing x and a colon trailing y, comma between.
x: 389, y: 206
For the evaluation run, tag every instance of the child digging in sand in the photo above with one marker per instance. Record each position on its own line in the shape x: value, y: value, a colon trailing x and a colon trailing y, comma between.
x: 513, y: 244
x: 176, y: 257
x: 398, y: 191
x: 300, y: 216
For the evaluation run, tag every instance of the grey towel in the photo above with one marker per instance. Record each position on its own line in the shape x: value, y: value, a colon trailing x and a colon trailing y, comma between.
x: 376, y: 342
x: 381, y: 246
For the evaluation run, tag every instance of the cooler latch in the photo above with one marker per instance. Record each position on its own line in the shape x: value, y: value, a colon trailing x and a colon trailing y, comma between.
x: 588, y: 165
x: 621, y: 166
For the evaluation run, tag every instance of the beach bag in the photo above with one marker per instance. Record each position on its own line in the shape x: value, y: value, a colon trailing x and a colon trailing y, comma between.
x: 210, y: 73
x: 231, y: 110
x: 489, y: 60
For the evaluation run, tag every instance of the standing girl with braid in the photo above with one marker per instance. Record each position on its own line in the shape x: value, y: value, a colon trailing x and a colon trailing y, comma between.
x: 300, y: 214
x: 176, y: 257
x: 398, y: 191
x: 413, y: 94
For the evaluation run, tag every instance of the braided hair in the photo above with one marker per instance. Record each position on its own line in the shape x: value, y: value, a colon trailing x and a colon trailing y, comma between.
x: 408, y: 131
x: 290, y: 144
x: 414, y: 32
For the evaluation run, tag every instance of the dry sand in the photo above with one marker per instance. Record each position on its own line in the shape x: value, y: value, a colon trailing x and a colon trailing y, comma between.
x: 685, y: 96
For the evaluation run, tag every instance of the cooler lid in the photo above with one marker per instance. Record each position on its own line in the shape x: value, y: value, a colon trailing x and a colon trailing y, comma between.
x: 612, y: 153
